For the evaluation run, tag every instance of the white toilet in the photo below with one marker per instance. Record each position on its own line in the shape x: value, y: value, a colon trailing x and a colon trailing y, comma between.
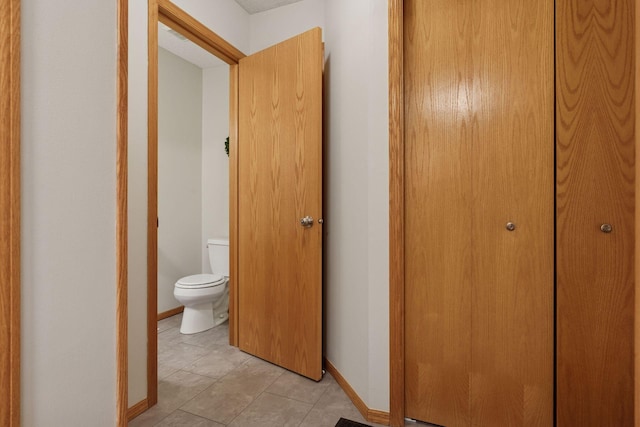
x: 206, y: 296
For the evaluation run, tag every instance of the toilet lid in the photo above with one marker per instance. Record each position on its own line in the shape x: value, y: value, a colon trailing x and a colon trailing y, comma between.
x: 200, y: 281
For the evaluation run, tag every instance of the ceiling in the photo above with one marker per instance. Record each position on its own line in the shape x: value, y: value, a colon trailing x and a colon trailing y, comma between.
x: 256, y: 6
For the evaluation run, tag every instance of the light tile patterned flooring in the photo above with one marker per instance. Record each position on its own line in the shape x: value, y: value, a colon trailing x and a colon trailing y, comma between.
x: 204, y: 382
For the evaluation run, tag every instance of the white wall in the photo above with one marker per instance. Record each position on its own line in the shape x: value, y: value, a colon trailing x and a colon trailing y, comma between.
x: 179, y: 173
x: 276, y: 25
x: 137, y: 209
x: 231, y: 22
x: 225, y: 17
x: 68, y: 213
x: 378, y: 200
x: 215, y: 163
x: 356, y: 176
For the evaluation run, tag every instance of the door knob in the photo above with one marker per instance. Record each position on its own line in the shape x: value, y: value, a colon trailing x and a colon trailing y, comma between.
x: 510, y: 226
x: 606, y: 228
x: 307, y: 221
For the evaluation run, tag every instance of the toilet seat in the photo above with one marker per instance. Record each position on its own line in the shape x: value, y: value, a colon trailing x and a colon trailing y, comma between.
x: 199, y: 281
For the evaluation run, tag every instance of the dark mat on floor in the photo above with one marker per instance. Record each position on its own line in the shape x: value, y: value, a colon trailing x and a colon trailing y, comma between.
x: 348, y: 423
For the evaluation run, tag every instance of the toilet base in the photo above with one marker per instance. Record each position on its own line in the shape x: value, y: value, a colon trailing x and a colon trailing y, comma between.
x: 197, y: 318
x: 221, y: 309
x: 220, y: 318
x: 204, y: 307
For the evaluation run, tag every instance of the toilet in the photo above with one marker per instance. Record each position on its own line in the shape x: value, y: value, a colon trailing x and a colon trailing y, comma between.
x: 205, y: 297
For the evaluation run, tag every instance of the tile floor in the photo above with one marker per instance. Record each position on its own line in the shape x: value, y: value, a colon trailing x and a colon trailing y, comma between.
x: 204, y: 382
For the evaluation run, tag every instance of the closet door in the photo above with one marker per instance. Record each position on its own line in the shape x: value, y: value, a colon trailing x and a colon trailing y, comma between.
x: 595, y: 189
x: 439, y: 114
x: 512, y: 295
x: 479, y: 154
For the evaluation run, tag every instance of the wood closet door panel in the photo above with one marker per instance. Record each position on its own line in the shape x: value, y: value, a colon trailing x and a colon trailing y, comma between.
x: 439, y: 131
x: 513, y: 181
x: 595, y: 185
x: 479, y: 152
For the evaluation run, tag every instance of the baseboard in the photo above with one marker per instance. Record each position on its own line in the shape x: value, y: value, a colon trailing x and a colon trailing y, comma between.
x: 170, y: 313
x: 137, y: 409
x: 371, y: 415
x: 378, y: 417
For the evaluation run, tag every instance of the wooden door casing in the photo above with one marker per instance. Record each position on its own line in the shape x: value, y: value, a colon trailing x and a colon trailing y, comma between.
x: 10, y: 213
x: 280, y: 182
x: 478, y: 154
x: 595, y: 186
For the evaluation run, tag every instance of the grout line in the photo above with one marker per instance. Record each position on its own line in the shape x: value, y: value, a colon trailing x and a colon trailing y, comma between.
x: 191, y: 413
x: 251, y: 358
x: 245, y: 363
x: 326, y: 390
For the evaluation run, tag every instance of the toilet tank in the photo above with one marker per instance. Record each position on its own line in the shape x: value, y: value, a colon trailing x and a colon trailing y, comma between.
x: 219, y: 256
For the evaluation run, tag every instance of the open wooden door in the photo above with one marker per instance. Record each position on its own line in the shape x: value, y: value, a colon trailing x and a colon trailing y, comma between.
x: 280, y: 184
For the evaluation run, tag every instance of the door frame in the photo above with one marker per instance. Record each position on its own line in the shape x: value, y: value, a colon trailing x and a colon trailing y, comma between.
x: 177, y: 19
x: 166, y: 12
x: 397, y: 212
x: 122, y: 121
x: 10, y: 212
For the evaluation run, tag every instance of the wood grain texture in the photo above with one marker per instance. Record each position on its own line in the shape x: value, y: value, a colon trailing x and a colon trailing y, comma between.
x: 479, y: 153
x: 378, y: 417
x: 512, y: 177
x: 169, y: 313
x: 176, y: 18
x: 152, y: 206
x: 122, y: 310
x: 396, y: 212
x: 137, y: 409
x: 10, y: 213
x: 233, y: 205
x: 280, y: 181
x: 636, y: 406
x: 438, y: 211
x: 595, y: 185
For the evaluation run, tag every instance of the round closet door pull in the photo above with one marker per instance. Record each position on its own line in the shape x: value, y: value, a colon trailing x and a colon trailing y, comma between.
x: 606, y: 228
x: 510, y: 226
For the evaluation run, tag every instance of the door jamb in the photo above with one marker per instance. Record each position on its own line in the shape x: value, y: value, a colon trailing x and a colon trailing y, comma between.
x: 10, y: 213
x: 396, y: 212
x: 122, y: 121
x: 177, y: 19
x: 636, y: 367
x: 166, y: 12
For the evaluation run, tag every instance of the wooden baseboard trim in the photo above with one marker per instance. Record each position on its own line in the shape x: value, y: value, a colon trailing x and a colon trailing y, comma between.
x: 378, y: 417
x: 371, y: 415
x: 170, y: 313
x: 137, y: 409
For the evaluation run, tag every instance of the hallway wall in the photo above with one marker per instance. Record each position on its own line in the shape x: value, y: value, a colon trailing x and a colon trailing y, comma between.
x: 357, y: 206
x: 68, y: 174
x: 273, y: 26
